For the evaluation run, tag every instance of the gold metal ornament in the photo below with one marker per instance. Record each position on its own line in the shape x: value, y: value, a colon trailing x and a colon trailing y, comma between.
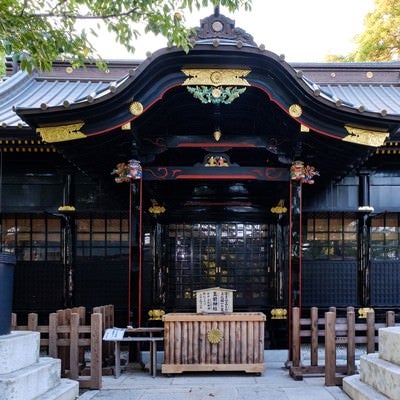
x: 366, y: 137
x: 214, y: 336
x: 279, y: 313
x: 295, y: 110
x: 61, y: 133
x: 217, y: 135
x: 156, y: 315
x: 216, y: 77
x: 136, y: 108
x: 362, y: 312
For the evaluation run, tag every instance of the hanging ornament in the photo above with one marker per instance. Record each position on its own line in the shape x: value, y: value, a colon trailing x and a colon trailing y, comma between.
x: 127, y: 172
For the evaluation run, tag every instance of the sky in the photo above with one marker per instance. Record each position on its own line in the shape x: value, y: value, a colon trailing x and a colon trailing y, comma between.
x: 302, y: 30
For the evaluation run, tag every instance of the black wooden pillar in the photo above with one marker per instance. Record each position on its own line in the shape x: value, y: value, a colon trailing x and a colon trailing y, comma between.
x: 364, y: 223
x: 295, y: 244
x: 294, y: 278
x: 68, y: 241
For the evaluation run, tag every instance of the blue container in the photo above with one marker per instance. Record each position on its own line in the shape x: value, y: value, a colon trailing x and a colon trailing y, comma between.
x: 7, y: 264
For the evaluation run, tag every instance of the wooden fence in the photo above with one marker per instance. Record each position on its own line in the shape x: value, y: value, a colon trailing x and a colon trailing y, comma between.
x: 68, y: 337
x: 332, y: 331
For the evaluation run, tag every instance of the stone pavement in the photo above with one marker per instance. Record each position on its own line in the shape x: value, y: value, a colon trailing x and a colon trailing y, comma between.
x: 274, y: 384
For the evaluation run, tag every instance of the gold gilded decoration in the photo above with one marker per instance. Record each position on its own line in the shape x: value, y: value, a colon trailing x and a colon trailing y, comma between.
x: 62, y: 133
x: 278, y: 313
x: 279, y: 208
x: 126, y: 127
x: 127, y: 172
x: 365, y: 137
x: 66, y: 208
x: 216, y: 93
x: 136, y: 108
x: 214, y: 336
x: 295, y: 110
x: 216, y: 77
x: 216, y: 161
x: 156, y: 315
x: 217, y: 135
x: 303, y: 173
x: 362, y: 312
x: 155, y: 208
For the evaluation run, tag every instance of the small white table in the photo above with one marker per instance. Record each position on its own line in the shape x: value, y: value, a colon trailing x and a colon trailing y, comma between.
x: 150, y: 339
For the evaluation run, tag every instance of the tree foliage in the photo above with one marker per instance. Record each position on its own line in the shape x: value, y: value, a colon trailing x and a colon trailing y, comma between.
x: 37, y: 32
x: 380, y: 40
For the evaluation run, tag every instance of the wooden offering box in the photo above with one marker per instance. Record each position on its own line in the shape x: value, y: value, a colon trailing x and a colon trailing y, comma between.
x: 213, y: 342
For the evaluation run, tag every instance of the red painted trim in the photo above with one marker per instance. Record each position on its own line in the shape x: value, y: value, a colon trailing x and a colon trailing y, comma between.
x: 216, y: 177
x: 140, y: 252
x: 129, y: 254
x: 290, y: 274
x: 300, y: 242
x: 296, y: 119
x: 213, y: 144
x: 135, y: 116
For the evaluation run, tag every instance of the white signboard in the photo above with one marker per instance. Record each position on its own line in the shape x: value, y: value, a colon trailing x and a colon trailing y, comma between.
x: 214, y: 300
x: 114, y: 334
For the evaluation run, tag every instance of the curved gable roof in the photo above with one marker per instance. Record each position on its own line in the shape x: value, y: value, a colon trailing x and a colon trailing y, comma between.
x: 327, y: 106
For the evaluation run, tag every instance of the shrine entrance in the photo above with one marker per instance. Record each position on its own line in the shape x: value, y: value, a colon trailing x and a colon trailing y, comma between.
x: 240, y: 256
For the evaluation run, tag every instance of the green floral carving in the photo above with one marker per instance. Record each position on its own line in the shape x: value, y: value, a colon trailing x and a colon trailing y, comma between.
x: 213, y: 95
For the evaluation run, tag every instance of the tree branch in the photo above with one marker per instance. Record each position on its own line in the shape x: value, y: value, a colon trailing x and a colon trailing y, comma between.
x: 83, y: 17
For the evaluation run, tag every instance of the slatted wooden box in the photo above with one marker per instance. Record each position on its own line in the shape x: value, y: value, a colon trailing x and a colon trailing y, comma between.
x: 213, y: 342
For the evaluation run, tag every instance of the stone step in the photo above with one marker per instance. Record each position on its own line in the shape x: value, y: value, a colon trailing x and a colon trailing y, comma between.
x: 18, y: 350
x: 30, y: 382
x: 65, y: 390
x: 380, y: 375
x: 389, y: 344
x: 358, y: 390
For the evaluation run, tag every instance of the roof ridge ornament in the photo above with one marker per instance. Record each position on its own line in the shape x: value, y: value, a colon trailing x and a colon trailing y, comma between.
x: 217, y: 26
x: 61, y: 133
x: 366, y: 137
x: 216, y: 85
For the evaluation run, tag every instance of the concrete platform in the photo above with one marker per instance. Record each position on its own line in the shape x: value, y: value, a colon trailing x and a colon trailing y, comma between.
x: 381, y: 375
x: 18, y: 350
x: 358, y: 390
x: 65, y: 390
x: 32, y: 381
x: 274, y: 384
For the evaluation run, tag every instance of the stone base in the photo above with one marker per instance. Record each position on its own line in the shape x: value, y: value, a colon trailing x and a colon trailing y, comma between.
x: 26, y: 376
x: 358, y: 390
x: 65, y: 390
x: 18, y: 350
x: 389, y: 344
x: 32, y: 381
x: 381, y: 375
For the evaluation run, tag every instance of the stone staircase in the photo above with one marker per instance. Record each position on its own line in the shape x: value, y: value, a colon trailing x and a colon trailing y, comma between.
x: 26, y: 376
x: 379, y: 377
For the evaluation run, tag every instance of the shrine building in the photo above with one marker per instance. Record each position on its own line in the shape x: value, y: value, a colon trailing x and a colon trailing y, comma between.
x: 222, y: 167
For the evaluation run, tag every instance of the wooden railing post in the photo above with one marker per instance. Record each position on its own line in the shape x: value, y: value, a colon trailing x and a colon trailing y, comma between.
x: 296, y: 336
x: 390, y: 318
x: 13, y: 321
x: 330, y: 348
x: 32, y: 322
x: 370, y: 332
x: 314, y: 336
x: 351, y: 341
x: 74, y: 347
x: 96, y: 350
x: 53, y: 322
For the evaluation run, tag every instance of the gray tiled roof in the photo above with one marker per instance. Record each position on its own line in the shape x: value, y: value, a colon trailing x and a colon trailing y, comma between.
x: 383, y: 99
x: 24, y: 91
x: 37, y: 91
